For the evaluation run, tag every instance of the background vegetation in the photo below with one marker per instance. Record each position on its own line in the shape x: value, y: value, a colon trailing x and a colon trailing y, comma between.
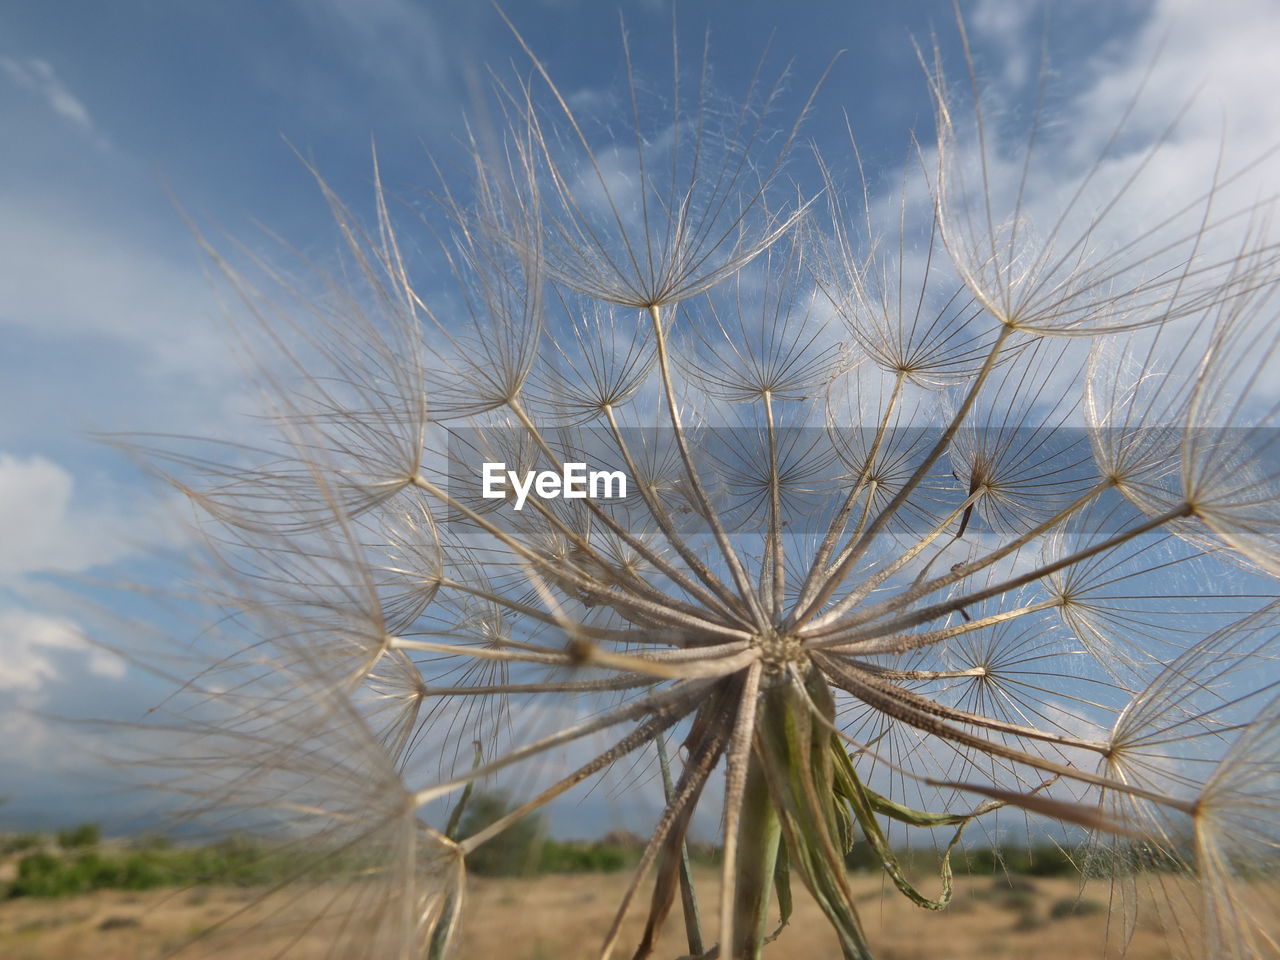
x: 78, y: 860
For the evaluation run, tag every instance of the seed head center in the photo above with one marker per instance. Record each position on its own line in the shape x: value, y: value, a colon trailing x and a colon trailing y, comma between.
x: 779, y: 649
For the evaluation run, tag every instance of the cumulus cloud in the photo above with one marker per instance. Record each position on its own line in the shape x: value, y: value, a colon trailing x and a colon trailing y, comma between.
x: 31, y: 644
x: 46, y: 529
x: 49, y: 665
x: 1221, y: 61
x: 1155, y: 150
x: 1211, y: 71
x: 35, y: 499
x: 1190, y: 78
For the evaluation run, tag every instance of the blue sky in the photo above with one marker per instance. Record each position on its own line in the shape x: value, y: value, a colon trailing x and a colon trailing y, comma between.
x: 118, y: 114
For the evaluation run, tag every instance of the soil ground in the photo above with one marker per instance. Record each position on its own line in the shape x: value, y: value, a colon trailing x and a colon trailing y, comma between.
x: 555, y: 917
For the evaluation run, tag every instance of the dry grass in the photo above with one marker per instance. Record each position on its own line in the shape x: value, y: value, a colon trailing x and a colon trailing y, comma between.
x: 551, y: 918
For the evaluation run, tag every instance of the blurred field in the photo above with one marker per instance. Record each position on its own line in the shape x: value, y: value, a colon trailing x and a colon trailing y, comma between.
x: 553, y: 917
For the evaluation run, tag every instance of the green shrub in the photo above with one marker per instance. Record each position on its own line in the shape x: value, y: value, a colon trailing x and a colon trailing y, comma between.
x: 42, y: 875
x: 561, y: 857
x: 513, y: 852
x: 84, y: 835
x: 1074, y: 907
x: 1044, y: 860
x: 21, y: 842
x: 235, y: 861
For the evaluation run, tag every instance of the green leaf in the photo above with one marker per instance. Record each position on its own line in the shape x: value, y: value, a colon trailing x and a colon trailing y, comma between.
x: 909, y: 815
x: 455, y: 815
x: 688, y: 899
x: 794, y: 754
x: 865, y: 804
x: 442, y: 935
x: 782, y: 889
x: 759, y: 835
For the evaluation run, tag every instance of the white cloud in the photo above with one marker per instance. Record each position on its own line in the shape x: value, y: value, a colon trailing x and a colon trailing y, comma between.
x: 1219, y: 64
x: 38, y: 76
x: 1211, y: 69
x: 1128, y: 168
x: 1005, y: 23
x: 46, y: 528
x: 30, y: 641
x: 37, y: 650
x: 1223, y: 57
x: 35, y: 495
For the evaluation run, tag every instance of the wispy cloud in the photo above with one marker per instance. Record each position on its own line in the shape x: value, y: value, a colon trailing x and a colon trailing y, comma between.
x: 1005, y: 23
x: 39, y: 77
x: 70, y: 273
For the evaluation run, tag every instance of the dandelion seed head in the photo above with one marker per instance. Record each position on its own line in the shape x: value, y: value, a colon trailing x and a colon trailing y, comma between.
x: 898, y: 555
